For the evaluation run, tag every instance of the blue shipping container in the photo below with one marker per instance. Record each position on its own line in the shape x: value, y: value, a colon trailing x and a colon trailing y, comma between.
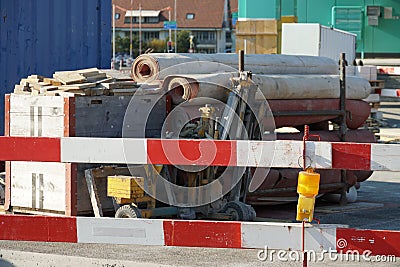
x: 44, y: 36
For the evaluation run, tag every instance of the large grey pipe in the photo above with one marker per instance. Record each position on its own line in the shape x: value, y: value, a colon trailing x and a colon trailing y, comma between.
x: 149, y: 67
x: 217, y: 86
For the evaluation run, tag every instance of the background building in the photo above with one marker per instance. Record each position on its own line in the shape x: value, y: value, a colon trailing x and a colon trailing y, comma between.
x: 209, y: 21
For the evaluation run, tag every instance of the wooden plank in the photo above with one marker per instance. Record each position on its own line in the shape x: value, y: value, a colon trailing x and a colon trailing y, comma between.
x: 88, y: 72
x: 52, y: 81
x: 117, y: 75
x: 101, y: 76
x: 7, y: 200
x: 71, y: 189
x: 27, y: 81
x: 94, y: 197
x: 7, y: 105
x: 84, y: 205
x: 78, y: 86
x: 69, y: 77
x: 122, y: 92
x: 120, y: 85
x: 39, y: 77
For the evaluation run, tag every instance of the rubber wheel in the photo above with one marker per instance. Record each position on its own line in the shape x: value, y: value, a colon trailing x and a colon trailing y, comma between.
x: 240, y: 211
x: 128, y: 211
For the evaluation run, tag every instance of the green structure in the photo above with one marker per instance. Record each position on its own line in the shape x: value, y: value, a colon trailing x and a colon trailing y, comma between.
x: 266, y: 9
x: 376, y: 22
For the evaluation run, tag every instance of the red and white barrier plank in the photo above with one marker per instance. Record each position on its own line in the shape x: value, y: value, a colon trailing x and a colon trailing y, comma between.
x: 278, y: 236
x: 280, y: 153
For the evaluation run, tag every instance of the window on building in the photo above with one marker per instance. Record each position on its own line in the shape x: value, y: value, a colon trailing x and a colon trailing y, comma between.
x: 127, y: 20
x: 205, y: 35
x: 144, y: 20
x: 117, y: 16
x: 228, y: 37
x: 190, y: 16
x: 206, y: 51
x: 151, y: 20
x: 147, y: 36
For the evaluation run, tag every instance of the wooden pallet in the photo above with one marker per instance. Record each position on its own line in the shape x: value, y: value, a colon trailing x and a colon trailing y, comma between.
x: 377, y: 84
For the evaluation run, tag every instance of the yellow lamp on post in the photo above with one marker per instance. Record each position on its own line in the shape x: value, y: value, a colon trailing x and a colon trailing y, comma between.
x: 307, y: 188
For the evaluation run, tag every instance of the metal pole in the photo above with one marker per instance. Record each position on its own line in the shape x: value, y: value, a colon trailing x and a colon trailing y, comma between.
x: 113, y: 11
x: 140, y: 29
x: 342, y: 76
x: 130, y: 43
x: 176, y: 40
x: 241, y: 60
x: 170, y: 30
x: 303, y: 244
x: 343, y: 126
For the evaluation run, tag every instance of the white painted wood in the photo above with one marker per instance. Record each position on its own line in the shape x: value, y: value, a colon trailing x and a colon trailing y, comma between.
x: 23, y: 194
x: 287, y: 236
x: 22, y: 103
x: 103, y: 150
x: 49, y: 126
x: 385, y: 157
x: 120, y: 231
x: 36, y: 115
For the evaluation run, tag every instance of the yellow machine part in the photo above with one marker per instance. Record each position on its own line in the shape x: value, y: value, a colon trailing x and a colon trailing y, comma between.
x: 158, y: 167
x: 127, y: 187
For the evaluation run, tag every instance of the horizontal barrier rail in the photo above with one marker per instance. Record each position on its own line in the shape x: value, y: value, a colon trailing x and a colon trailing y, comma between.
x: 277, y: 154
x: 261, y: 235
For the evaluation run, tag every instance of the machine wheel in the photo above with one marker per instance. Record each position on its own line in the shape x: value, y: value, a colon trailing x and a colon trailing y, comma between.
x: 240, y: 211
x: 128, y: 211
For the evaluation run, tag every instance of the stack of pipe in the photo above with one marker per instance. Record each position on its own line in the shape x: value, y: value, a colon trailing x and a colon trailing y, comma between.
x: 288, y: 83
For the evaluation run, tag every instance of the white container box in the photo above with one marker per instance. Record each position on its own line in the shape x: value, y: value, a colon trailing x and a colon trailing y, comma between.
x: 314, y: 39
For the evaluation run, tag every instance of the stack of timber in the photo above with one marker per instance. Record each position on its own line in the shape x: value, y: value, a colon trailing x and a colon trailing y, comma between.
x: 81, y: 103
x: 86, y: 82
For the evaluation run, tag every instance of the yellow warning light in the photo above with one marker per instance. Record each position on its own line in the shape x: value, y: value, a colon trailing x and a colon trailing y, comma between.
x: 307, y: 188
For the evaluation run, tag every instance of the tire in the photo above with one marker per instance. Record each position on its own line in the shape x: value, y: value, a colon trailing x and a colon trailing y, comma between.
x: 128, y: 211
x: 240, y: 211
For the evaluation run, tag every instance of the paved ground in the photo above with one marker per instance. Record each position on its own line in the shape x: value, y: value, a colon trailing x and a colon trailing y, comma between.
x: 377, y: 207
x: 49, y: 254
x: 391, y: 118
